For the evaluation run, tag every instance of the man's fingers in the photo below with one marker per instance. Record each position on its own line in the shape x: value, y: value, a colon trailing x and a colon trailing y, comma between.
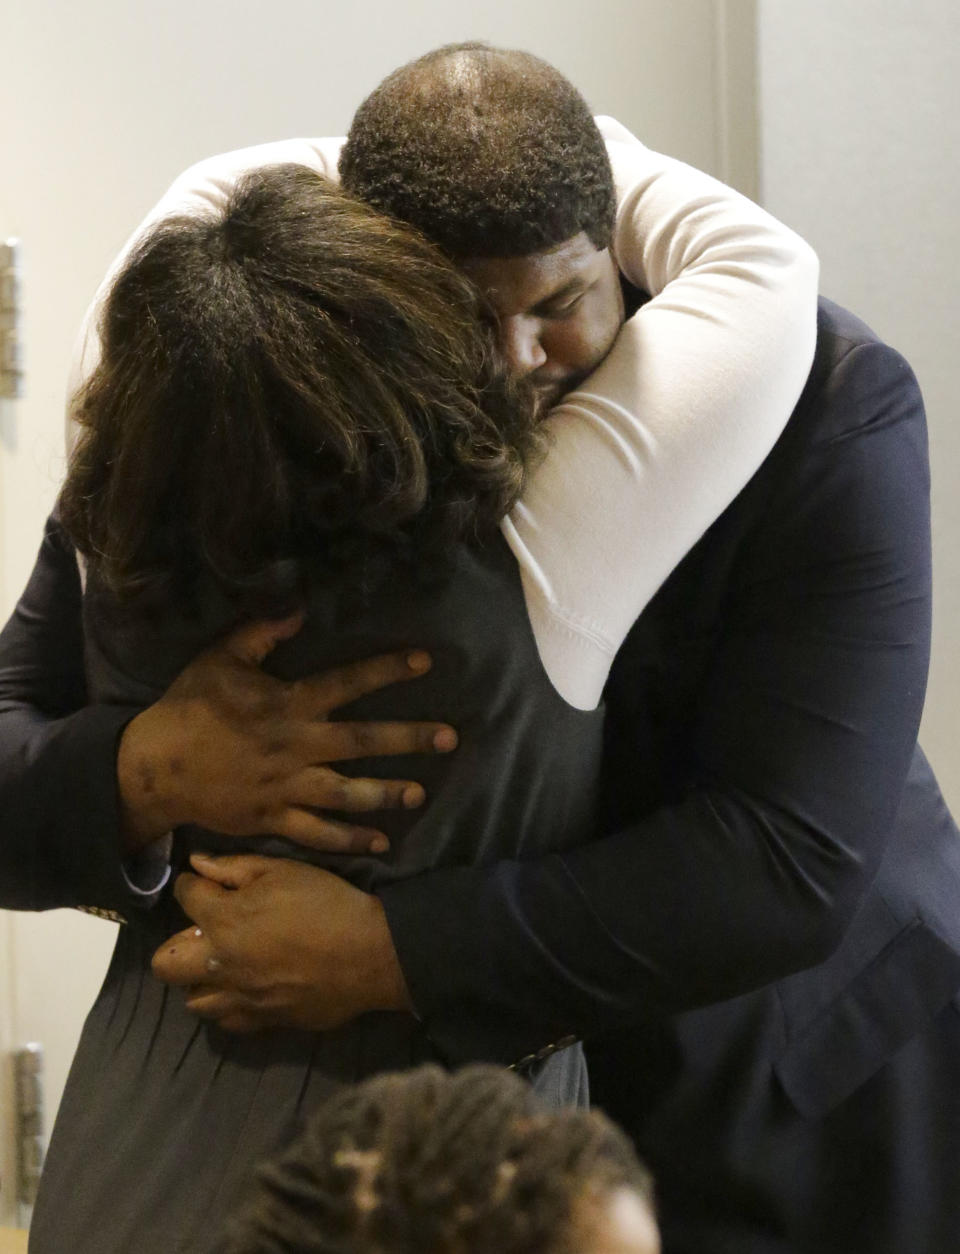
x: 208, y: 1001
x: 227, y: 1009
x: 235, y: 870
x: 252, y: 642
x: 316, y: 832
x: 343, y: 742
x: 182, y: 960
x: 347, y: 683
x: 240, y: 1021
x: 323, y: 789
x: 199, y: 897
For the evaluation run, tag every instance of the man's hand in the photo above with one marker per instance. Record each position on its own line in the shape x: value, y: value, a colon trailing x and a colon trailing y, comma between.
x: 280, y: 943
x: 233, y: 749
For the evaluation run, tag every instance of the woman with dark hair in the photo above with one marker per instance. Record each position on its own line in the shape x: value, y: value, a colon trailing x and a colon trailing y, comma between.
x: 298, y: 409
x: 403, y: 1164
x: 331, y: 403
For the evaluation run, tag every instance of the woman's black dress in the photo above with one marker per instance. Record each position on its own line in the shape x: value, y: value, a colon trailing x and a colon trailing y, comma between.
x: 164, y: 1116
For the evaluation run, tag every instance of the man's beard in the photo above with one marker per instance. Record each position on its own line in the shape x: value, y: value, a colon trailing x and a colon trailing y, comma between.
x: 549, y: 394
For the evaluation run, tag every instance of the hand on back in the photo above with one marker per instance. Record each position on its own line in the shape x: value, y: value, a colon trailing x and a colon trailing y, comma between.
x: 236, y: 750
x: 278, y: 943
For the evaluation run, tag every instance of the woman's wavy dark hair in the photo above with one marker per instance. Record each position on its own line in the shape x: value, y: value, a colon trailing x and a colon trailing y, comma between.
x: 430, y: 1163
x: 297, y: 377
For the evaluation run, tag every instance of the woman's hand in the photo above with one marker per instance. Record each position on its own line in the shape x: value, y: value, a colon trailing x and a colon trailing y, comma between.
x: 279, y: 943
x: 231, y: 748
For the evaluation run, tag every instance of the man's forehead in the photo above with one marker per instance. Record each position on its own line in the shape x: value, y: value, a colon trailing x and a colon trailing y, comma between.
x: 515, y: 284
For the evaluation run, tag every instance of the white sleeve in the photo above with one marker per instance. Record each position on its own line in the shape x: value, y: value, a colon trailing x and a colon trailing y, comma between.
x: 203, y: 186
x: 655, y: 444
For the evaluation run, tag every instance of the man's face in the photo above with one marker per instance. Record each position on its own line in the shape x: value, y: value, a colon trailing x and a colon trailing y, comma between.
x: 559, y: 311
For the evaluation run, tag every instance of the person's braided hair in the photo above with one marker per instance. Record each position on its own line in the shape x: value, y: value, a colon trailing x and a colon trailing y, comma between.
x: 430, y: 1163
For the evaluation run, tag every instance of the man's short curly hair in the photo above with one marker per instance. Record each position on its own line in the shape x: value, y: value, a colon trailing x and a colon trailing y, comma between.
x: 489, y: 152
x: 427, y: 1161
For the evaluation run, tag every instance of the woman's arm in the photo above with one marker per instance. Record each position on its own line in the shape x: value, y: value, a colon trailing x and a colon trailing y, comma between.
x: 650, y: 450
x: 203, y: 186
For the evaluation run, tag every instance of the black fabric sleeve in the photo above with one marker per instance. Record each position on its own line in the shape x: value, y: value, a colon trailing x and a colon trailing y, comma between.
x: 805, y: 730
x: 59, y: 819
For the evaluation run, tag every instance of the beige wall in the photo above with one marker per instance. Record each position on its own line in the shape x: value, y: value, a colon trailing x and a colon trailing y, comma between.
x: 860, y: 133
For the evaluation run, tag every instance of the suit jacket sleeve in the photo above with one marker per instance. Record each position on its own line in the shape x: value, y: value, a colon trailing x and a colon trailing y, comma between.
x: 58, y: 837
x: 803, y: 733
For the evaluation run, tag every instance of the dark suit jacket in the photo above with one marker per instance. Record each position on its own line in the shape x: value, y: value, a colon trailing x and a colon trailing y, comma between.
x: 769, y: 810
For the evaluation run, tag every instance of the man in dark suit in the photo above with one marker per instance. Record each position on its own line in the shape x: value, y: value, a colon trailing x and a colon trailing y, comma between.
x: 763, y: 950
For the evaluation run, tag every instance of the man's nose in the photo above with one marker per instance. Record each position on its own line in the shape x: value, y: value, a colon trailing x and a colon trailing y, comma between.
x: 520, y: 341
